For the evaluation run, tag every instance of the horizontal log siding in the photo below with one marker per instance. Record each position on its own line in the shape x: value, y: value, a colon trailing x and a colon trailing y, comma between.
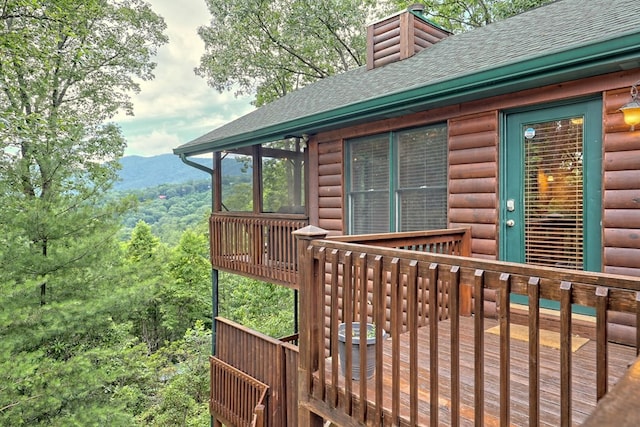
x: 399, y: 37
x: 259, y: 356
x: 473, y: 180
x: 330, y: 191
x: 621, y: 189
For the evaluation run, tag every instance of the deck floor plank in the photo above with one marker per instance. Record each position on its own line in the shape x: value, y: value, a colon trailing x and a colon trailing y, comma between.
x: 583, y: 380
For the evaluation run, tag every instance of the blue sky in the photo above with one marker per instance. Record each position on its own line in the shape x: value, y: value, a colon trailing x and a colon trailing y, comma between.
x: 177, y: 106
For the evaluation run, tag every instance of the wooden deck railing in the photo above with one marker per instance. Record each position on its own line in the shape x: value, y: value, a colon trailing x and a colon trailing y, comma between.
x: 236, y: 398
x: 263, y: 358
x: 452, y: 241
x: 258, y: 246
x: 402, y: 282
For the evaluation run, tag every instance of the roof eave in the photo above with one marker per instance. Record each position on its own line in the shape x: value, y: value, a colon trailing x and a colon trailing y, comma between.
x: 580, y: 62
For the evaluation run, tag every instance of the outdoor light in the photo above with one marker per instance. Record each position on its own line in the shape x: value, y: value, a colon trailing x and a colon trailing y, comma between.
x: 631, y: 110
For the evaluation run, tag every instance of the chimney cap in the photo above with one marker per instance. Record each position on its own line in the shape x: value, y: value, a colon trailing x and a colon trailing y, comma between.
x: 416, y: 7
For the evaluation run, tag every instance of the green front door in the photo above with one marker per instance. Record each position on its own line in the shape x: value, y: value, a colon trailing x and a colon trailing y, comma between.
x: 551, y: 174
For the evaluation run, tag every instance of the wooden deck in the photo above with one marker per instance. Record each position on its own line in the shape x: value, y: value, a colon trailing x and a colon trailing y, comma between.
x: 583, y: 379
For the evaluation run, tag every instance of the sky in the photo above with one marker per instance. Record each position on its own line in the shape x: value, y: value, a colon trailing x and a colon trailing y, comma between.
x: 177, y: 106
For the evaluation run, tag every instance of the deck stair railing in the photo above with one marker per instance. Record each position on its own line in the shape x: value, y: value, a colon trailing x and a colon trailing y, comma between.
x: 269, y: 360
x: 236, y: 398
x: 259, y: 246
x: 400, y: 289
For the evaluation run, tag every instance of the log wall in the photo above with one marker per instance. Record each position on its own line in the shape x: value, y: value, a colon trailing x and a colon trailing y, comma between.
x: 473, y: 180
x: 330, y: 191
x: 473, y: 157
x: 621, y: 189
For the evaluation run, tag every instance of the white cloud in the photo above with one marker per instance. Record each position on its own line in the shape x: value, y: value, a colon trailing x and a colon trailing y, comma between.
x: 177, y: 105
x: 152, y: 144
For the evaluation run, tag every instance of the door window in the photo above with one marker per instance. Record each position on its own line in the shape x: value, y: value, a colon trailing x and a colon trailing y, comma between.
x: 553, y: 193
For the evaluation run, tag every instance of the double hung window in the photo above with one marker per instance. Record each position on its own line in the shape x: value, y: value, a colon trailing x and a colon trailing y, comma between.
x: 397, y: 181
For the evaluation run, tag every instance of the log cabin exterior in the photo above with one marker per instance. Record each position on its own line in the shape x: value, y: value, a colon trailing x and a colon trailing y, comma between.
x: 511, y: 132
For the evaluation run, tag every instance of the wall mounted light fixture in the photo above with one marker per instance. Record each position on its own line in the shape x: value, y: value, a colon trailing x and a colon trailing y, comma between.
x: 631, y: 110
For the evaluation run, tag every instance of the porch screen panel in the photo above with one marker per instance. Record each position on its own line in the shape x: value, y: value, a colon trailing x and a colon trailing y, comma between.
x: 422, y: 179
x: 369, y: 185
x: 237, y: 182
x: 554, y: 193
x: 283, y: 188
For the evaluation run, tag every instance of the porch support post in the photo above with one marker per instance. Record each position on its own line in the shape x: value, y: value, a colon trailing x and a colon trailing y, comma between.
x: 214, y: 306
x: 310, y: 322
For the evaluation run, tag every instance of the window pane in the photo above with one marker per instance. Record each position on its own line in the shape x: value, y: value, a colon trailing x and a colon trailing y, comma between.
x: 370, y: 212
x: 283, y: 177
x: 422, y: 179
x: 369, y: 185
x: 237, y: 183
x: 370, y: 164
x: 554, y: 194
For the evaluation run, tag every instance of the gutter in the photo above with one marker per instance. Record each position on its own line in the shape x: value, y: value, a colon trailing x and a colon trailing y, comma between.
x: 183, y: 157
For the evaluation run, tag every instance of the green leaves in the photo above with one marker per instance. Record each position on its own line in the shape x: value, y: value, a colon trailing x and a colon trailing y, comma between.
x: 272, y: 47
x: 269, y: 48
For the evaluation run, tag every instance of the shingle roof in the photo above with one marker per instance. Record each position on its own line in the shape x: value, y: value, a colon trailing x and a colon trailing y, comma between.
x: 567, y: 33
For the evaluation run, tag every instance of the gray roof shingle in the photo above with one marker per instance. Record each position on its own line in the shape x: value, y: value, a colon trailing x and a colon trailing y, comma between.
x: 559, y: 27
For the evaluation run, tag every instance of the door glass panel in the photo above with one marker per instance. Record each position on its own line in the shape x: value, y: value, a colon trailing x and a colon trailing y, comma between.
x: 554, y: 193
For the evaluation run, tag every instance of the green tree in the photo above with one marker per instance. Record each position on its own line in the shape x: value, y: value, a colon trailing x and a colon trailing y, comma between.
x: 66, y: 67
x: 265, y: 307
x: 273, y: 47
x: 143, y: 244
x: 269, y: 48
x: 188, y: 297
x: 146, y: 274
x: 462, y: 15
x: 183, y: 382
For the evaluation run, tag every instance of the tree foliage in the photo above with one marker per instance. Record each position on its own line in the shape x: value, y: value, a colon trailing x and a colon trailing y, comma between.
x: 66, y: 67
x: 462, y: 15
x: 268, y: 48
x: 273, y: 47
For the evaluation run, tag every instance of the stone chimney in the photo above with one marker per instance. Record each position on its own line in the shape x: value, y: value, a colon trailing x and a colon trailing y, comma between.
x: 401, y: 36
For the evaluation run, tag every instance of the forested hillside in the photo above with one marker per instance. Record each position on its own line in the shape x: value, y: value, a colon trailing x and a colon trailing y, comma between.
x: 169, y: 208
x: 139, y: 172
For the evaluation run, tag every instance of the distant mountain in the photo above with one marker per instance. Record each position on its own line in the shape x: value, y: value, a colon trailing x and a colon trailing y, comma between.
x: 144, y: 172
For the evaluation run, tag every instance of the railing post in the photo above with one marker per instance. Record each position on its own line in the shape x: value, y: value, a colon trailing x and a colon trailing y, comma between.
x: 310, y: 323
x: 466, y: 290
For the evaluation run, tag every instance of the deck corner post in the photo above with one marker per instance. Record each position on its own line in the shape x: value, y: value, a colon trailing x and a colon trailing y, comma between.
x: 310, y: 325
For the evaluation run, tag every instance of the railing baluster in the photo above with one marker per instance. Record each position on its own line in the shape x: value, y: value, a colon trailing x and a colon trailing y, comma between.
x: 454, y: 304
x: 565, y: 353
x: 433, y: 344
x: 334, y: 327
x: 364, y: 295
x: 478, y: 291
x: 347, y: 318
x: 534, y: 350
x: 379, y: 310
x: 505, y: 348
x: 320, y: 392
x: 602, y: 364
x: 637, y: 323
x: 412, y: 321
x: 396, y: 330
